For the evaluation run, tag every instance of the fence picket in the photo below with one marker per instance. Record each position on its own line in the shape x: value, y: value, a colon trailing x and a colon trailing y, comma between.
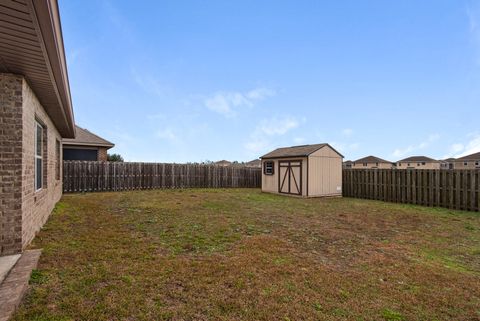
x: 90, y: 176
x: 459, y: 189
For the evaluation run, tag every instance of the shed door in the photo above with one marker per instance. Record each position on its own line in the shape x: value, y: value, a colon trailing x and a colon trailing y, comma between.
x: 290, y: 177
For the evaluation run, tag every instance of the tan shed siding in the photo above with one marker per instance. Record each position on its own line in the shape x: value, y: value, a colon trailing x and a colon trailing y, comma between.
x: 324, y: 173
x: 325, y: 176
x: 270, y: 182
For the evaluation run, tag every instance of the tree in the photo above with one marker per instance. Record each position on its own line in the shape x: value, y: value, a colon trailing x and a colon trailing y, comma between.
x: 114, y: 158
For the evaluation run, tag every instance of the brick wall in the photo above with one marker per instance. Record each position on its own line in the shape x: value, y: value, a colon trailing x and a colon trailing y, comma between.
x: 10, y: 163
x: 37, y: 205
x: 23, y: 210
x: 102, y: 154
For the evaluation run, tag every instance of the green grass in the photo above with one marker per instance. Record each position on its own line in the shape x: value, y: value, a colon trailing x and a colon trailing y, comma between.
x: 218, y: 254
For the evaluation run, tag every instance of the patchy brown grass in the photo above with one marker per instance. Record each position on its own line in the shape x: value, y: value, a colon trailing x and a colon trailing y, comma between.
x: 243, y: 255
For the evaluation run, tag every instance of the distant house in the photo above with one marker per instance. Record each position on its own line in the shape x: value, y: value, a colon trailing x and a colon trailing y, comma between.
x: 418, y: 162
x: 223, y: 163
x: 85, y: 146
x: 347, y: 164
x: 471, y: 161
x: 447, y: 163
x: 371, y: 162
x: 254, y: 163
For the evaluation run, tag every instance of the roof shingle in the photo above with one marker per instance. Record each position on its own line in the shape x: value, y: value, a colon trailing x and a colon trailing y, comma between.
x: 85, y: 137
x: 418, y: 159
x: 475, y: 156
x: 296, y: 151
x: 372, y: 159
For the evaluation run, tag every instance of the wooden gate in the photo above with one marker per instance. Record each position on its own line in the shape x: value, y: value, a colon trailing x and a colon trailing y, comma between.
x: 290, y: 177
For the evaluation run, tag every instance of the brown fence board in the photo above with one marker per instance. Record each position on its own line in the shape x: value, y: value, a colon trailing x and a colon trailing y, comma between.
x: 456, y: 189
x: 92, y: 176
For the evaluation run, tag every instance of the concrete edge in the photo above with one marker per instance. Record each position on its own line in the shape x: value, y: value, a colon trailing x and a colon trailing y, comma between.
x: 15, y: 284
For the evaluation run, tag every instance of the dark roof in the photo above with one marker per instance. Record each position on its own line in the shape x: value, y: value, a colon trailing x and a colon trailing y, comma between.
x: 31, y: 45
x: 372, y: 159
x: 418, y: 159
x: 475, y: 156
x: 451, y: 159
x: 84, y: 137
x: 348, y: 162
x: 296, y: 151
x: 254, y: 163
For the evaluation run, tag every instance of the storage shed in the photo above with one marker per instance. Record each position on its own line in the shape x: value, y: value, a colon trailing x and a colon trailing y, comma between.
x: 306, y: 170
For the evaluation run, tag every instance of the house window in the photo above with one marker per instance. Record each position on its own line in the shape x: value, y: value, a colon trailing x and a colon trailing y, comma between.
x: 399, y: 164
x: 57, y: 159
x: 268, y: 168
x: 38, y: 156
x: 365, y: 164
x: 376, y: 164
x: 423, y: 163
x: 465, y: 163
x: 408, y: 164
x: 477, y: 163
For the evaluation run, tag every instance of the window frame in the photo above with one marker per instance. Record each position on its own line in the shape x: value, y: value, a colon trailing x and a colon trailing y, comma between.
x: 58, y: 151
x: 266, y: 164
x: 38, y: 155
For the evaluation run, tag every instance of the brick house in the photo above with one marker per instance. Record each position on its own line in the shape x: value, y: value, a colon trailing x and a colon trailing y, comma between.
x: 418, y: 162
x: 35, y: 114
x: 85, y: 146
x: 371, y: 162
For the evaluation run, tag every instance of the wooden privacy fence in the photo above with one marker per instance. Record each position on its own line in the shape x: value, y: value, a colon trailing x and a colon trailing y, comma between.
x: 456, y: 189
x: 92, y: 176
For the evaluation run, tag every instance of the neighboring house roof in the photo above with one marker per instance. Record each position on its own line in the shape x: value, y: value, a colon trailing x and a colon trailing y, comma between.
x: 223, y: 162
x: 31, y: 45
x: 372, y: 159
x: 451, y: 159
x: 296, y: 151
x: 254, y: 163
x: 348, y: 162
x: 475, y: 156
x: 419, y: 159
x: 85, y: 137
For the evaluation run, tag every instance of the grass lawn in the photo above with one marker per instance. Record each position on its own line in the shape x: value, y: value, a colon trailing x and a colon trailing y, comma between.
x: 237, y: 254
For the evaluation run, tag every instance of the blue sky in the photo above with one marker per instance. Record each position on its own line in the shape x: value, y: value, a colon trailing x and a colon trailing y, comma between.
x: 178, y: 81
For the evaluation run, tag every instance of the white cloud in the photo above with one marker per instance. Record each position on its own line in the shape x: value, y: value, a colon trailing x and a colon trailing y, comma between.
x: 149, y: 84
x: 347, y: 132
x: 261, y: 137
x: 168, y: 135
x: 345, y: 147
x: 470, y: 147
x: 299, y: 140
x: 401, y: 152
x: 227, y: 103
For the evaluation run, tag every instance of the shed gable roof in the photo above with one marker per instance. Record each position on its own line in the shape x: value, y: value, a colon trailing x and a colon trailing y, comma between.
x: 296, y: 151
x: 87, y: 138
